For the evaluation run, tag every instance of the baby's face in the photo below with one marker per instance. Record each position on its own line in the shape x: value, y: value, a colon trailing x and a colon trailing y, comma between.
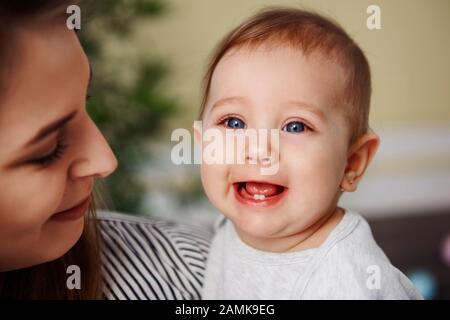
x: 278, y: 88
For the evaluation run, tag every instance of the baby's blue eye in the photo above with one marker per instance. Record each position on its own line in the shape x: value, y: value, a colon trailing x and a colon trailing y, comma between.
x: 234, y: 123
x: 295, y: 127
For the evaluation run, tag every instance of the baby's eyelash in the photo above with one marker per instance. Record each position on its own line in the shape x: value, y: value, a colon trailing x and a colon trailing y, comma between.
x: 307, y: 126
x: 223, y: 122
x: 53, y: 157
x: 223, y: 119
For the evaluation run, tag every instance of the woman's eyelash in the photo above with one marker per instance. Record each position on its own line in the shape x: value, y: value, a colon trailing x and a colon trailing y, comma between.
x: 54, y: 156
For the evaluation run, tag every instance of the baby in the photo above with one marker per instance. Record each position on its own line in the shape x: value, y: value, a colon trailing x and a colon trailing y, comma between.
x: 283, y: 235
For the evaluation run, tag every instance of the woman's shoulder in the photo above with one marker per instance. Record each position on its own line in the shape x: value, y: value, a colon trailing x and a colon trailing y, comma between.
x: 151, y: 258
x: 174, y: 228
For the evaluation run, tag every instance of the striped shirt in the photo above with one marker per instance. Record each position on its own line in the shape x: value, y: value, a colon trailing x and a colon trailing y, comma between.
x: 152, y: 258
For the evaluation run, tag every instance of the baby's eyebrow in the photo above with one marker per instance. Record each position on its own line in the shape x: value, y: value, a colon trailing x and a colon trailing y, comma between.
x: 229, y: 100
x: 295, y: 103
x: 303, y: 105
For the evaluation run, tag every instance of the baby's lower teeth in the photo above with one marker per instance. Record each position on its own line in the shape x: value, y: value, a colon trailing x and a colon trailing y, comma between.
x: 259, y: 197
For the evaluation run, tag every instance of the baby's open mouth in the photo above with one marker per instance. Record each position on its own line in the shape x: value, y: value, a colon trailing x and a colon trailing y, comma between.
x: 251, y: 192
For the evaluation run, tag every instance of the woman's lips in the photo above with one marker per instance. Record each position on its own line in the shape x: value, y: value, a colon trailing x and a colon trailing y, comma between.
x: 259, y: 194
x: 73, y: 213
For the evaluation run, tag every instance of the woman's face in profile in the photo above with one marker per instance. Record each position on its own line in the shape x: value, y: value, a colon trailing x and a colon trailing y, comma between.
x: 50, y: 150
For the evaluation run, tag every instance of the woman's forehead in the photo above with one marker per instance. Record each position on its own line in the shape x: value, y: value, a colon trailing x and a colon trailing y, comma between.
x: 49, y: 77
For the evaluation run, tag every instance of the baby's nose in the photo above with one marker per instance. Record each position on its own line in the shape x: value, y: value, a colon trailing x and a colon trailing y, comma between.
x: 261, y: 150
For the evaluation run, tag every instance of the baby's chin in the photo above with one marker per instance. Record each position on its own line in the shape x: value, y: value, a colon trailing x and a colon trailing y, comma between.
x: 258, y: 228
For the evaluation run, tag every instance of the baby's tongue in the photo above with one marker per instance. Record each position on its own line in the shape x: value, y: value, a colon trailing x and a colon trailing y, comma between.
x: 265, y: 189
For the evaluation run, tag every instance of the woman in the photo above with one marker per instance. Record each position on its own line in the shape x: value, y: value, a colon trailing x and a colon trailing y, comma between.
x: 50, y: 154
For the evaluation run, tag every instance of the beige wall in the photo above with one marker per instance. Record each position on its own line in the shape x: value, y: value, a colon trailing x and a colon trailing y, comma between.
x: 409, y: 56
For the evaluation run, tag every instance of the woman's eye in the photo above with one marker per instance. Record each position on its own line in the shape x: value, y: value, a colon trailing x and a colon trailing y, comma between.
x: 234, y: 123
x: 295, y: 127
x: 49, y: 159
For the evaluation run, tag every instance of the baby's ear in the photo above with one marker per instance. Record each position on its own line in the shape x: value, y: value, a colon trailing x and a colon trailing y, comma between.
x: 360, y: 154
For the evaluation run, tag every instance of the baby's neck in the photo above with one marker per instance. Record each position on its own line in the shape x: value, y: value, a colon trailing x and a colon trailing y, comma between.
x: 310, y: 238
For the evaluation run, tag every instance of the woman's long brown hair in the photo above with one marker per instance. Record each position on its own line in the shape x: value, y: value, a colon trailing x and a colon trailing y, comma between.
x: 48, y: 280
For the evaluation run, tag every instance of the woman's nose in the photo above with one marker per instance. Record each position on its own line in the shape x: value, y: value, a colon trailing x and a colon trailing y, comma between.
x: 95, y: 158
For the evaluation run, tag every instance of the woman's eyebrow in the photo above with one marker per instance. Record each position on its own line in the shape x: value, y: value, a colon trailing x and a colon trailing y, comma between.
x: 50, y: 128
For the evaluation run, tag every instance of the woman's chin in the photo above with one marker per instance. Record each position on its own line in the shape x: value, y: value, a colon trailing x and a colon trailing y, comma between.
x: 60, y: 238
x: 52, y: 245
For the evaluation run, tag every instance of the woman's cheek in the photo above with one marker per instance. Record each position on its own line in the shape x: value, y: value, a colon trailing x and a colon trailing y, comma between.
x: 30, y: 205
x: 20, y: 225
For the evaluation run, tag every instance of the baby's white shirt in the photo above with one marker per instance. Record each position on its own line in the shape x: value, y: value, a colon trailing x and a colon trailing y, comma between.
x: 348, y: 265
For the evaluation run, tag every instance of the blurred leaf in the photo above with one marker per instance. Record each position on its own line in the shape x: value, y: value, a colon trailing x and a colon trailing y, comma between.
x: 129, y: 116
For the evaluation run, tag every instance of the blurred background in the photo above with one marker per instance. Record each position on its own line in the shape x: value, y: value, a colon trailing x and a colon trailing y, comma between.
x: 148, y: 59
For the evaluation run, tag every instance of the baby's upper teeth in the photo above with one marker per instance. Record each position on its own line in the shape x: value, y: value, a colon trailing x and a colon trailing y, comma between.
x: 259, y: 197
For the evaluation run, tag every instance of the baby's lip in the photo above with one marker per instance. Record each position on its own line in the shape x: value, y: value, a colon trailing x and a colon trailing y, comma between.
x: 259, y: 194
x: 275, y: 183
x: 260, y: 188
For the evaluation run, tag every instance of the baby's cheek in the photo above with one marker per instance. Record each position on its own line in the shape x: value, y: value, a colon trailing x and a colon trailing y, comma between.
x: 314, y: 172
x: 214, y: 178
